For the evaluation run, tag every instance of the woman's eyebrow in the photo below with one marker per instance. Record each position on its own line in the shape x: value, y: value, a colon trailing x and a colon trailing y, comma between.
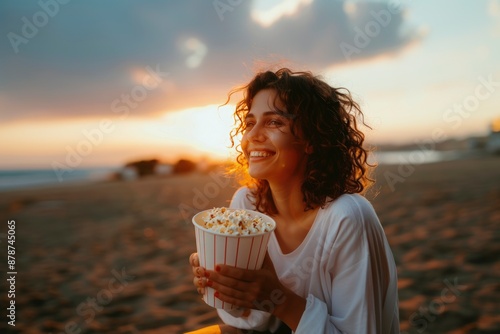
x: 267, y: 113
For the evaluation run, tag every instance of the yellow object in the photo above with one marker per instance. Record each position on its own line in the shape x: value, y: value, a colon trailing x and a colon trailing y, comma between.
x: 207, y: 330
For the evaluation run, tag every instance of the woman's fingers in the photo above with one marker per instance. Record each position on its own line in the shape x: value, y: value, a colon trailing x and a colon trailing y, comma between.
x: 195, y: 264
x: 199, y: 279
x: 200, y: 276
x: 194, y: 261
x: 199, y: 282
x: 235, y: 297
x: 233, y: 286
x: 235, y: 273
x: 199, y: 272
x: 235, y: 291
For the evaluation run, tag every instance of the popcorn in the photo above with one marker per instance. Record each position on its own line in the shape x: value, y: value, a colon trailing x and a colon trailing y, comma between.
x: 235, y: 222
x: 233, y: 237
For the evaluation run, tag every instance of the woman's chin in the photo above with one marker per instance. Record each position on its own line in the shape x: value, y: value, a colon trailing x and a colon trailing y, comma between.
x: 256, y: 173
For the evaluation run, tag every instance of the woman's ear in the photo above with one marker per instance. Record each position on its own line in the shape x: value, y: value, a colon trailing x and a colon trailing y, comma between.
x: 309, y: 149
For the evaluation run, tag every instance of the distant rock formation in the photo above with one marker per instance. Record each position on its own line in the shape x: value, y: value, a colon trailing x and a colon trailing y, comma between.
x: 143, y: 167
x: 184, y: 166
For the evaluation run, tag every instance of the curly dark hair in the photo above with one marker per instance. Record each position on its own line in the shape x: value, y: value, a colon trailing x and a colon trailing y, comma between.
x: 326, y: 119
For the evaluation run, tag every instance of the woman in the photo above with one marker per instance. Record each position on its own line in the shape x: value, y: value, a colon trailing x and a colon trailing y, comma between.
x: 329, y: 267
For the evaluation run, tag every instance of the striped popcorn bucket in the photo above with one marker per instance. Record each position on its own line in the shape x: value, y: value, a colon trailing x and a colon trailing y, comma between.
x: 242, y: 251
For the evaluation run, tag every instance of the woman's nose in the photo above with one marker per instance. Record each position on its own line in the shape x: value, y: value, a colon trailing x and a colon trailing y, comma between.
x: 256, y: 134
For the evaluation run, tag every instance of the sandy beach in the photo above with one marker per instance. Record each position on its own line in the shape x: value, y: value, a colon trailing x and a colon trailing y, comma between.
x: 112, y: 257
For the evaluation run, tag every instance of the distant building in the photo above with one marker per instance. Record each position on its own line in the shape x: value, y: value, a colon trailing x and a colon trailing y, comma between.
x: 128, y: 173
x: 476, y: 143
x: 493, y: 144
x: 164, y: 169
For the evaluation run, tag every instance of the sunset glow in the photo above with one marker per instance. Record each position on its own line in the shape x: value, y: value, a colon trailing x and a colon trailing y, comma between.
x: 191, y: 133
x: 206, y: 129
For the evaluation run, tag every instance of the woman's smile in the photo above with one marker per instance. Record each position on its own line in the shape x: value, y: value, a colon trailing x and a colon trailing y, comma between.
x: 259, y: 155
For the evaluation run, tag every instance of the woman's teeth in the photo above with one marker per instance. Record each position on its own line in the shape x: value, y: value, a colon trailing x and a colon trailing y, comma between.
x: 260, y: 154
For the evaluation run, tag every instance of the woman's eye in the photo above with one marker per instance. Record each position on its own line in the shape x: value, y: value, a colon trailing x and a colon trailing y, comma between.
x: 275, y: 122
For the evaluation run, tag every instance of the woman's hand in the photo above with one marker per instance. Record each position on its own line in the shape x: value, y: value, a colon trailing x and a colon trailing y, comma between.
x: 248, y: 289
x: 200, y: 275
x: 257, y: 289
x: 251, y: 289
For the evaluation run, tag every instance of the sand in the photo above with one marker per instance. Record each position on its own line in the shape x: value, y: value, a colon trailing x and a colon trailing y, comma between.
x: 112, y: 257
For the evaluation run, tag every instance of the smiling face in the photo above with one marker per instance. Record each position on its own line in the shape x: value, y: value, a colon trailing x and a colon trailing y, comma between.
x: 273, y: 152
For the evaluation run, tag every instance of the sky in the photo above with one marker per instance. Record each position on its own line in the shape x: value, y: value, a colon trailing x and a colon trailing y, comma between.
x: 99, y: 83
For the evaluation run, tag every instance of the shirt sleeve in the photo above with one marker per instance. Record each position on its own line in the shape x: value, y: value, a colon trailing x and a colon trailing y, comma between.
x: 256, y: 320
x: 361, y: 275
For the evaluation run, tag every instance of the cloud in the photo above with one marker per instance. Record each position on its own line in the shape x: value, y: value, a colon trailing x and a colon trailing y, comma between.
x: 89, y: 53
x: 268, y: 15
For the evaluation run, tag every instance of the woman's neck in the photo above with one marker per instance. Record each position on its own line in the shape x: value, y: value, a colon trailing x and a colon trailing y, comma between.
x: 289, y: 200
x: 292, y: 221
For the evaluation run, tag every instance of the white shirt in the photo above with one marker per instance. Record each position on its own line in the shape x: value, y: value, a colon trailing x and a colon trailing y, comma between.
x: 344, y: 268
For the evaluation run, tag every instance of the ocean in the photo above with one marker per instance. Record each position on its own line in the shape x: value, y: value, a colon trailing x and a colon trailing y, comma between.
x: 415, y: 157
x: 28, y: 178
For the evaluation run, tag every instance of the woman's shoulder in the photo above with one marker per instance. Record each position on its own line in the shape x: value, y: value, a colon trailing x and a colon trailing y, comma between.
x: 350, y: 204
x: 352, y: 208
x: 350, y: 217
